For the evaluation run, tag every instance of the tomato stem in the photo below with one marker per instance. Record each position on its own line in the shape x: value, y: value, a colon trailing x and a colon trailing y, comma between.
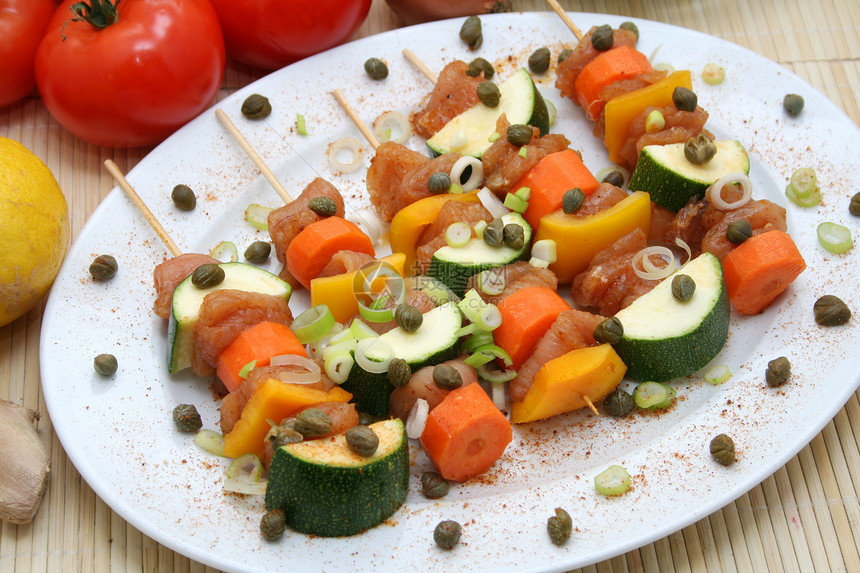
x: 101, y: 14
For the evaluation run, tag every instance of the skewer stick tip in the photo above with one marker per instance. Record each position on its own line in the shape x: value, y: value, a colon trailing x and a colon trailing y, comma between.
x: 566, y: 19
x: 368, y: 135
x: 422, y: 67
x: 590, y: 404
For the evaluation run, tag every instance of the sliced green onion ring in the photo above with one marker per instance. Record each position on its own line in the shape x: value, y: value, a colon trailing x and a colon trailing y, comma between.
x: 804, y: 181
x: 458, y: 234
x: 246, y: 369
x: 477, y: 359
x: 211, y: 441
x: 715, y: 191
x: 243, y: 476
x: 465, y: 330
x: 380, y: 303
x: 337, y: 366
x: 496, y: 352
x: 653, y: 395
x: 311, y: 376
x: 300, y: 124
x: 375, y: 314
x: 546, y: 250
x: 258, y: 216
x: 492, y: 281
x: 347, y: 345
x: 713, y: 74
x: 475, y: 177
x: 478, y: 339
x: 417, y: 419
x: 226, y: 252
x: 834, y: 237
x: 313, y: 324
x: 515, y: 203
x: 492, y: 203
x: 492, y: 373
x: 811, y: 201
x: 490, y: 317
x: 614, y: 480
x: 718, y: 375
x: 360, y: 330
x: 374, y: 355
x: 392, y: 126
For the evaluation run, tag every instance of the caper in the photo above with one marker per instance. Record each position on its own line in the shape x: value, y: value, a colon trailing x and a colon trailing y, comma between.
x: 793, y: 104
x: 105, y: 364
x: 256, y: 106
x: 362, y: 440
x: 723, y: 449
x: 738, y: 231
x: 489, y: 94
x: 183, y: 197
x: 283, y: 434
x: 854, y: 206
x: 273, y: 524
x: 494, y: 233
x: 778, y: 371
x: 312, y: 423
x: 700, y: 149
x: 614, y: 177
x: 631, y: 27
x: 539, y: 60
x: 447, y: 534
x: 831, y: 311
x: 519, y: 134
x: 559, y: 526
x: 447, y: 377
x: 103, y: 268
x: 434, y: 486
x: 376, y: 69
x: 323, y: 206
x: 618, y: 403
x: 602, y: 39
x: 685, y: 99
x: 187, y: 418
x: 399, y: 372
x: 610, y: 330
x: 513, y: 236
x: 408, y: 317
x: 258, y: 252
x: 207, y: 275
x: 572, y: 200
x: 471, y: 33
x: 366, y: 419
x: 564, y: 54
x: 438, y: 182
x: 479, y: 65
x: 683, y: 287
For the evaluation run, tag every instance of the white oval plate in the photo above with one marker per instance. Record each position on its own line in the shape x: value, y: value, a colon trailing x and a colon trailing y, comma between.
x: 119, y: 434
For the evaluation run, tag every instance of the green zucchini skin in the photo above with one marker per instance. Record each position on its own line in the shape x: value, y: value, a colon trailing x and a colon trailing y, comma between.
x: 664, y: 172
x: 432, y: 343
x: 337, y: 500
x: 673, y: 356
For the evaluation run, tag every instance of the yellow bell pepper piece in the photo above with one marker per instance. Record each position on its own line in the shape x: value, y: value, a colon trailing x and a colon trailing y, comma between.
x: 408, y: 224
x: 620, y: 111
x: 562, y: 384
x: 273, y: 400
x: 338, y: 291
x: 578, y: 239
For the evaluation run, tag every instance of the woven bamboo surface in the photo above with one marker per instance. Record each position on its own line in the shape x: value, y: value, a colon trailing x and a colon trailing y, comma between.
x: 805, y: 517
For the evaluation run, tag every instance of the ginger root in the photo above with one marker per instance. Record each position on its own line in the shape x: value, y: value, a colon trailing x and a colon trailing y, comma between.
x: 24, y: 464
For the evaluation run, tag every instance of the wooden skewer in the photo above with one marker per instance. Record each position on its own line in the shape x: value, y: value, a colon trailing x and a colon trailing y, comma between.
x: 590, y: 404
x: 422, y: 67
x: 566, y: 19
x: 138, y: 202
x: 255, y: 157
x: 368, y: 135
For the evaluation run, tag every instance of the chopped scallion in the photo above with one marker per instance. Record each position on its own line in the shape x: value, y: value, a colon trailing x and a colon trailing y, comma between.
x: 258, y: 216
x: 653, y: 395
x: 300, y: 124
x: 246, y: 369
x: 458, y: 234
x: 614, y: 480
x: 718, y: 375
x: 337, y: 365
x: 313, y: 324
x: 515, y: 203
x: 834, y: 237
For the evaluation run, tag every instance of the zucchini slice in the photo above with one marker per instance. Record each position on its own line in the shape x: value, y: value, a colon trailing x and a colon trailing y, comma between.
x: 187, y: 298
x: 454, y: 265
x: 435, y: 341
x: 328, y: 490
x: 664, y: 172
x: 469, y: 133
x: 666, y: 339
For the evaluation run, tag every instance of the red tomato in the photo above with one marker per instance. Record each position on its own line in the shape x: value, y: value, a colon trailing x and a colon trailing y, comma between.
x: 22, y: 25
x: 136, y: 80
x: 273, y: 33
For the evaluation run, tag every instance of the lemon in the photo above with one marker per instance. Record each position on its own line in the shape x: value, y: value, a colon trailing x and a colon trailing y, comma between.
x: 34, y: 222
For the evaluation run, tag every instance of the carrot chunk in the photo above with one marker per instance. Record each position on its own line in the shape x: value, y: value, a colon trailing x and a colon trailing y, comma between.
x: 759, y: 269
x: 259, y: 342
x: 610, y: 66
x: 526, y: 316
x: 465, y: 434
x: 550, y: 179
x: 310, y: 251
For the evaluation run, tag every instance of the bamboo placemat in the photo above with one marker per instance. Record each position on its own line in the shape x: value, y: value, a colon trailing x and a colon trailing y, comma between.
x: 805, y: 517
